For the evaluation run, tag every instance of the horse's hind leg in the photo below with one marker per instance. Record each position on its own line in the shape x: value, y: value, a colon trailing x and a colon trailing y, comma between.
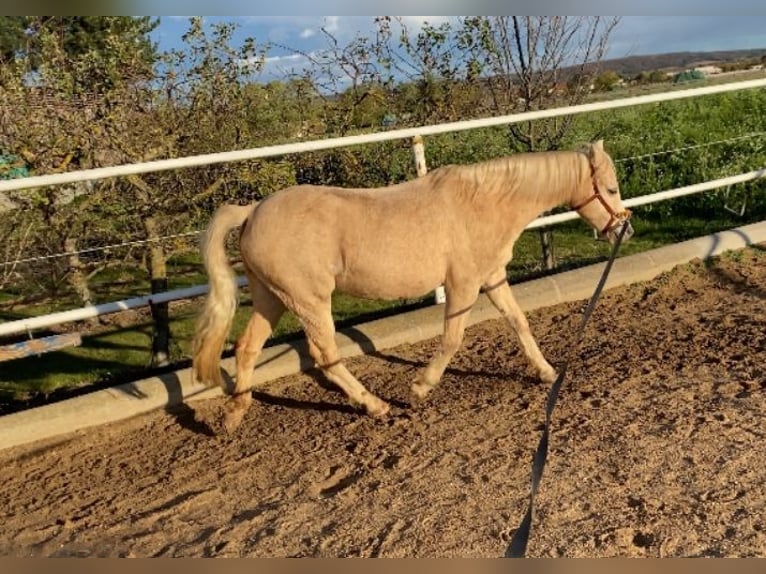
x: 320, y: 332
x: 499, y: 292
x: 267, y: 310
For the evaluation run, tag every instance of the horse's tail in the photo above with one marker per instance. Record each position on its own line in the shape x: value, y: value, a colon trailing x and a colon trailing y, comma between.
x: 214, y: 322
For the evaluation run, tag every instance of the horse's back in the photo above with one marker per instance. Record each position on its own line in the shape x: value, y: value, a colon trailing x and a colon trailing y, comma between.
x: 385, y: 242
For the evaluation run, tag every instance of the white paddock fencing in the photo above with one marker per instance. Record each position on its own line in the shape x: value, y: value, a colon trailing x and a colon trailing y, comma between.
x: 28, y: 325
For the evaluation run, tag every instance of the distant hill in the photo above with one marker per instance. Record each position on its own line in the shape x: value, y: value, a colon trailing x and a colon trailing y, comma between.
x: 632, y: 65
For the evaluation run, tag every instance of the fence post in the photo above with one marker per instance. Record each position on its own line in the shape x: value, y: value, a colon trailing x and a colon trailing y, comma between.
x: 418, y: 150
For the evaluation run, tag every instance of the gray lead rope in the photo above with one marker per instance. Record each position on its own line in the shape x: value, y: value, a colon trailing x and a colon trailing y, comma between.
x: 518, y: 545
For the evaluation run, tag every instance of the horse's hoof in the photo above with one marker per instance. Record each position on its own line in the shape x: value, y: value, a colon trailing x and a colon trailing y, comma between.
x: 420, y: 391
x: 380, y: 409
x: 548, y: 377
x: 231, y: 419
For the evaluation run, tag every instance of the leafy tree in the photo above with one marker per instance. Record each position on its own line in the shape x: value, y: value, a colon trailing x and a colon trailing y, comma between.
x: 94, y: 100
x: 606, y: 81
x: 60, y: 118
x: 196, y: 105
x: 12, y: 37
x: 278, y: 111
x: 346, y: 80
x: 434, y: 83
x: 96, y: 47
x: 646, y: 77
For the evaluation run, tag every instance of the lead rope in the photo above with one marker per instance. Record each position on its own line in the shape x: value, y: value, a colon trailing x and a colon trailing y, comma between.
x: 517, y: 548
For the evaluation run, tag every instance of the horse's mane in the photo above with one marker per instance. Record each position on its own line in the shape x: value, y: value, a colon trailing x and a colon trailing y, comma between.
x: 537, y: 173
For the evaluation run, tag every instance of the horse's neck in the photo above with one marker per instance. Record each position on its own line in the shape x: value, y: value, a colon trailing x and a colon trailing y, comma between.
x: 547, y: 181
x: 508, y: 196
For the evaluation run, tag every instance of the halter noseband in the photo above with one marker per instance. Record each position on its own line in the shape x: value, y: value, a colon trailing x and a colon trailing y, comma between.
x: 615, y: 218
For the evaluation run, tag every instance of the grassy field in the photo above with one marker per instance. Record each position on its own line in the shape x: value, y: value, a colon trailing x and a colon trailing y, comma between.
x: 117, y: 348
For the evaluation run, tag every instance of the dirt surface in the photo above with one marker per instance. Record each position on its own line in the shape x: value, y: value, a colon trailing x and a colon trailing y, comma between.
x: 657, y: 449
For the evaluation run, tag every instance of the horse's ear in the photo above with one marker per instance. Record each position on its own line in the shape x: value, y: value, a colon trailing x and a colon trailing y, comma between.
x: 595, y: 149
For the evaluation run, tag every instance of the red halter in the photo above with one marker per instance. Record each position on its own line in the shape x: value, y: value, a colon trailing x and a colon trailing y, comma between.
x: 615, y: 218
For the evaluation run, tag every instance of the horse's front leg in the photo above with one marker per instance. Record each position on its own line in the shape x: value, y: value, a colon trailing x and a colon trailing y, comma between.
x: 456, y: 310
x: 499, y: 293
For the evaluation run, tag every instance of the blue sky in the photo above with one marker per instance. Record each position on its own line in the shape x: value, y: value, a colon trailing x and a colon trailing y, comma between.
x: 635, y: 34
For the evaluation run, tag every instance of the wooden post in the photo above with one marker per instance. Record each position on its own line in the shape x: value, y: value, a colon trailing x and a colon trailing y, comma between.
x: 418, y: 150
x: 546, y: 246
x: 39, y: 346
x: 159, y: 284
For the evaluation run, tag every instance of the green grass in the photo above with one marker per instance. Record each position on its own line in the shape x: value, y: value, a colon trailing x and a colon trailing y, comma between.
x: 118, y: 352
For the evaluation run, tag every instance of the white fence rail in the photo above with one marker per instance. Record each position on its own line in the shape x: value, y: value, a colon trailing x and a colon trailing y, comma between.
x: 660, y: 196
x: 302, y: 147
x: 30, y: 324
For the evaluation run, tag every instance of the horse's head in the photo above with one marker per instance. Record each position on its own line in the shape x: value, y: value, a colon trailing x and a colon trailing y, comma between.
x: 601, y: 205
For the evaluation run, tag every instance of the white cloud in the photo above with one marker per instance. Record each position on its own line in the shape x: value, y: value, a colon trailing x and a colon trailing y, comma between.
x: 275, y: 60
x: 307, y: 33
x: 331, y: 23
x: 278, y: 67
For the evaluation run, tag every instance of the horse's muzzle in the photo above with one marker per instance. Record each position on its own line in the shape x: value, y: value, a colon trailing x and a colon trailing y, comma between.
x: 614, y: 232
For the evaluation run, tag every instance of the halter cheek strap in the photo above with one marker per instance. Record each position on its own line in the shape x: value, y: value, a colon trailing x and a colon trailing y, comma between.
x: 615, y: 217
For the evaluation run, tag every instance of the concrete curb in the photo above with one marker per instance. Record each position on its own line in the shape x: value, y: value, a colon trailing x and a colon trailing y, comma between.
x: 139, y: 397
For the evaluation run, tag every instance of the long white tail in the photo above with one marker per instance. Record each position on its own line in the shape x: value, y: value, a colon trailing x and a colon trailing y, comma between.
x: 214, y: 322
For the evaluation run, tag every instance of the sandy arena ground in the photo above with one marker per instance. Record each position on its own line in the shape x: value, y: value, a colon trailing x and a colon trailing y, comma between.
x: 657, y: 448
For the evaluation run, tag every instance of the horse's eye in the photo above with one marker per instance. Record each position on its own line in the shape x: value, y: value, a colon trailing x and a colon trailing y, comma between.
x: 612, y: 190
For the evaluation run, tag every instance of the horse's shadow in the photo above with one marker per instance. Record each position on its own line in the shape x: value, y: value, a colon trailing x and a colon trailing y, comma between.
x: 186, y: 416
x: 300, y: 404
x: 369, y: 349
x: 448, y: 371
x: 368, y: 346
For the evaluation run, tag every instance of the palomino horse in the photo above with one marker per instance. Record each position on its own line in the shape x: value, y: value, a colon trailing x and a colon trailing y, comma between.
x: 455, y: 226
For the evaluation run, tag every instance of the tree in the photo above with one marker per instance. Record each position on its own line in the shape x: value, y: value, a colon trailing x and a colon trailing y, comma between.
x: 96, y: 47
x: 95, y: 100
x: 196, y: 106
x: 432, y: 79
x: 606, y: 81
x: 61, y: 99
x: 278, y: 111
x: 12, y: 37
x: 524, y: 60
x: 345, y: 78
